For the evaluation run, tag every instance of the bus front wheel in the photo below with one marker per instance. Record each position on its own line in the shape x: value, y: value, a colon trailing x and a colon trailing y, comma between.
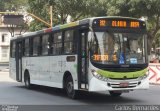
x: 69, y: 87
x: 115, y: 94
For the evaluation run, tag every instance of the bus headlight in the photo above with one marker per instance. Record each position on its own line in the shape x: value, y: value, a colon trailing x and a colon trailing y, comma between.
x: 98, y: 76
x: 144, y: 76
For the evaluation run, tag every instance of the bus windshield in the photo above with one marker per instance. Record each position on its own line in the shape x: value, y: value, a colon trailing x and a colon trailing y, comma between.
x: 118, y: 48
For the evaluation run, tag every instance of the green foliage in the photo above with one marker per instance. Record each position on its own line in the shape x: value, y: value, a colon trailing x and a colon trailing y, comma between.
x: 156, y: 41
x: 12, y: 5
x: 77, y: 9
x: 149, y: 9
x: 1, y: 5
x: 40, y: 9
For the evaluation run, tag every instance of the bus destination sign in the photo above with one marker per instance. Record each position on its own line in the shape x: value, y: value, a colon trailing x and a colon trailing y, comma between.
x: 118, y: 23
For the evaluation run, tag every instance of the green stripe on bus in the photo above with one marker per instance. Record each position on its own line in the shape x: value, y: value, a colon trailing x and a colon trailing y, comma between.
x: 110, y: 74
x: 75, y: 66
x: 69, y: 25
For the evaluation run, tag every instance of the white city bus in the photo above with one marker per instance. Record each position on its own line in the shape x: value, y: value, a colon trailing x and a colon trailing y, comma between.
x: 95, y: 54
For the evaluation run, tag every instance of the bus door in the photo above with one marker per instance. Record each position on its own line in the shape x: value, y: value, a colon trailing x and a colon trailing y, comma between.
x: 82, y: 60
x: 18, y: 61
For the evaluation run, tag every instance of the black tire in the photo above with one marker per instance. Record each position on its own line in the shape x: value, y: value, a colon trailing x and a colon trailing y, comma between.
x: 69, y: 88
x: 115, y: 94
x: 27, y: 83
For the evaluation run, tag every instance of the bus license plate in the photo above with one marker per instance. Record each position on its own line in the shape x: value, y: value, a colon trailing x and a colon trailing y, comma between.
x: 124, y: 84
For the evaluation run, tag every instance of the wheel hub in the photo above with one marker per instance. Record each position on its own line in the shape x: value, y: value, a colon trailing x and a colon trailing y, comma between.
x: 70, y: 87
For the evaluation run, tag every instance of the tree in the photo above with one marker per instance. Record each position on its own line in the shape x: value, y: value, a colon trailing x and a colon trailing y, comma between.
x: 1, y: 5
x: 149, y: 9
x: 40, y: 8
x: 77, y: 9
x: 12, y: 5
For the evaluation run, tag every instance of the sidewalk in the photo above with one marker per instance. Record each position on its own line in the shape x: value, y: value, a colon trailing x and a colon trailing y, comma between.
x: 4, y: 67
x: 4, y: 70
x: 4, y: 77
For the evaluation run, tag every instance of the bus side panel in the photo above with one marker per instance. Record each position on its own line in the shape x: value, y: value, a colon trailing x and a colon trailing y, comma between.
x: 56, y: 74
x: 43, y: 66
x: 25, y: 66
x: 12, y: 67
x: 71, y: 66
x: 33, y: 67
x: 39, y: 70
x: 49, y: 70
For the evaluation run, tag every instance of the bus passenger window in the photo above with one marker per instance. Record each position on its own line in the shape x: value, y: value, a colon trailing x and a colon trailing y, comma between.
x: 31, y: 46
x: 45, y: 44
x: 68, y: 42
x: 57, y: 43
x: 36, y: 41
x: 26, y: 47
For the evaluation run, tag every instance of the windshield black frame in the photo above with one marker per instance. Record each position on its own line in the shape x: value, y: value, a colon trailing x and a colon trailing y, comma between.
x: 144, y: 57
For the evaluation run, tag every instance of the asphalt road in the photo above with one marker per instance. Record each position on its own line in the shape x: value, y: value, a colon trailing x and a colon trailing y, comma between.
x: 14, y: 93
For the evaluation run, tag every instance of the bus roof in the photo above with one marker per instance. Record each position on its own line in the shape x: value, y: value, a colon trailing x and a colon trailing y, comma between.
x: 71, y: 24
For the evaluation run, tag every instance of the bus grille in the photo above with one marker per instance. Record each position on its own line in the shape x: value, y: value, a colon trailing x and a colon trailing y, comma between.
x: 123, y: 78
x: 123, y: 84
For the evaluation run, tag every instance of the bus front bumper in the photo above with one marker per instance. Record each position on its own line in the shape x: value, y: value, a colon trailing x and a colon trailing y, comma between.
x: 118, y: 85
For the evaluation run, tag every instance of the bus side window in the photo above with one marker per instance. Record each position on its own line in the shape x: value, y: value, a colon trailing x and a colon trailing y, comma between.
x: 36, y: 41
x: 45, y: 44
x: 51, y: 40
x: 26, y: 47
x: 68, y: 42
x: 57, y: 43
x: 31, y: 46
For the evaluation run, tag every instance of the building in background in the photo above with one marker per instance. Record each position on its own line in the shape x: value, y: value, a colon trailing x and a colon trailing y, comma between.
x: 4, y: 44
x: 5, y: 37
x: 18, y: 24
